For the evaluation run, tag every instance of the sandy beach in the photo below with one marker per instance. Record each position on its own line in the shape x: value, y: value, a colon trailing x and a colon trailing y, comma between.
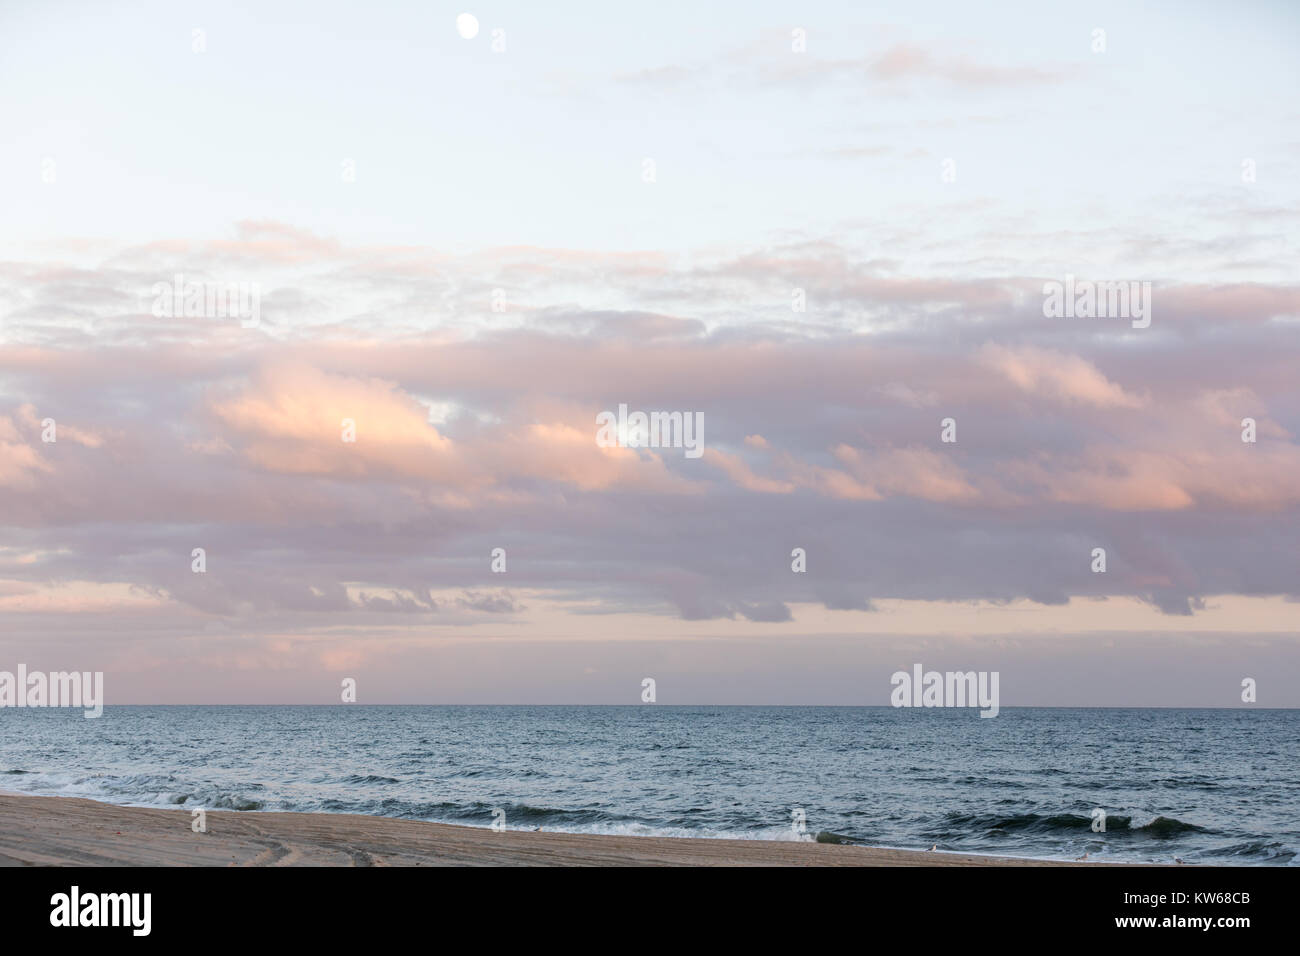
x: 66, y: 831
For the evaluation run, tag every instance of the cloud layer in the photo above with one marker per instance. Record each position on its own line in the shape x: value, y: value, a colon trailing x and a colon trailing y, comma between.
x: 471, y: 386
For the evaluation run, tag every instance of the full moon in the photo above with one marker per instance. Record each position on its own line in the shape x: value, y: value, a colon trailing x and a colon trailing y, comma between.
x: 467, y: 26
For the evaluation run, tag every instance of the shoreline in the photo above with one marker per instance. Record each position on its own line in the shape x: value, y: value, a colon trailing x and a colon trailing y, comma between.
x: 75, y: 831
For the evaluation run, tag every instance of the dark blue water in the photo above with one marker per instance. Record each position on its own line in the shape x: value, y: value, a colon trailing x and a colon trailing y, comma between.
x: 1210, y: 786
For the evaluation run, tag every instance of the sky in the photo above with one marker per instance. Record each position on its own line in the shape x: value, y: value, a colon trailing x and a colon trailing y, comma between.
x: 823, y: 228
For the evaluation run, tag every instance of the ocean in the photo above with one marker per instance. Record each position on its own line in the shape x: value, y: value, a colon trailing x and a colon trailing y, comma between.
x: 1203, y: 786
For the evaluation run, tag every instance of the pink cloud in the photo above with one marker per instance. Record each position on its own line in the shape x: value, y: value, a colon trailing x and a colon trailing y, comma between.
x: 1054, y: 375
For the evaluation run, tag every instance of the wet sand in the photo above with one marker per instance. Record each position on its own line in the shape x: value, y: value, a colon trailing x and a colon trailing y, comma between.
x: 67, y: 831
